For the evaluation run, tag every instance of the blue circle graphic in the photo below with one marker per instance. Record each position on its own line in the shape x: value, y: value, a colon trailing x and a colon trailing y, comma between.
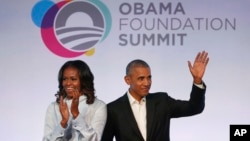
x: 39, y: 10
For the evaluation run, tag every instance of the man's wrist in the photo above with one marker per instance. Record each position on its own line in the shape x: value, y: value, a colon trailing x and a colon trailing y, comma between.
x: 198, y: 81
x: 200, y: 85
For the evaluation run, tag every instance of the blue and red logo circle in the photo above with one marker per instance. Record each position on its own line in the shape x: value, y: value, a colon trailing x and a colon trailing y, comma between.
x: 72, y: 28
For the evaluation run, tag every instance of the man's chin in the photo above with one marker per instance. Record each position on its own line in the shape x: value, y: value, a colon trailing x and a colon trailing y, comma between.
x: 145, y: 94
x: 146, y: 91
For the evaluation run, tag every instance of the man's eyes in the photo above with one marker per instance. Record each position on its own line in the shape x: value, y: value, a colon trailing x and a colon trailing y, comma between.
x: 142, y: 78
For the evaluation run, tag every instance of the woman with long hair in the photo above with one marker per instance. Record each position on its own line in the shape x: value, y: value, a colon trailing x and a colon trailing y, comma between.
x: 76, y: 115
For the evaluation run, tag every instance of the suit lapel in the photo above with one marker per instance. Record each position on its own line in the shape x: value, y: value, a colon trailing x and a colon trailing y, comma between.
x: 128, y: 113
x: 150, y: 105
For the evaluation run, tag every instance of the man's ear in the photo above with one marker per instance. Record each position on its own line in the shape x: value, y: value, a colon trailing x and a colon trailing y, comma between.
x: 127, y: 79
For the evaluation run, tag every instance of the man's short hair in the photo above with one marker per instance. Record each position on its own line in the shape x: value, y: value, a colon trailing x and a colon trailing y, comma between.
x: 136, y: 63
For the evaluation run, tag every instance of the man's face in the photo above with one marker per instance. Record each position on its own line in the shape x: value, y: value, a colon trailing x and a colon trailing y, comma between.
x: 140, y: 81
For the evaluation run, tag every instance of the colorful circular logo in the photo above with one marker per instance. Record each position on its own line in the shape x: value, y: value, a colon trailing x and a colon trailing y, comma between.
x: 72, y: 28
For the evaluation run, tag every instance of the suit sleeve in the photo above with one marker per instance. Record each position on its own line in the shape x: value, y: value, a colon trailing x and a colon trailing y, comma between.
x: 194, y: 105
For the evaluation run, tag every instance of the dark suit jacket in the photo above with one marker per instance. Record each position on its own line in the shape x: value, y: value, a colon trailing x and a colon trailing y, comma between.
x: 122, y: 125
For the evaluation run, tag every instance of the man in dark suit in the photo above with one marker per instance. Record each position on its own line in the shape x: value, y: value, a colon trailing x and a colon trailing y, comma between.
x: 142, y: 116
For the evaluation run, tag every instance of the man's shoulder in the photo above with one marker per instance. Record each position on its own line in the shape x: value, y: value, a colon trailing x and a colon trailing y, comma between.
x: 161, y: 97
x: 118, y: 101
x: 124, y: 99
x: 157, y: 95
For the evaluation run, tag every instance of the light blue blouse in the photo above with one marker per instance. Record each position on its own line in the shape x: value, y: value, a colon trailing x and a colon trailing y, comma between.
x: 88, y: 126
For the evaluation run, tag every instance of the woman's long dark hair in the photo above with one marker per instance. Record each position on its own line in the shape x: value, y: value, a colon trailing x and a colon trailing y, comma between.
x: 86, y: 80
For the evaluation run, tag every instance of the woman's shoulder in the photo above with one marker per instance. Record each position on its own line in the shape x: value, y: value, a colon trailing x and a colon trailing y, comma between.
x: 53, y: 106
x: 53, y: 103
x: 98, y: 105
x: 99, y: 102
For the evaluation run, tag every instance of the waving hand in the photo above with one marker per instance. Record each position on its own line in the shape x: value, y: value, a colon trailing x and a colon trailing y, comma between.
x: 199, y: 66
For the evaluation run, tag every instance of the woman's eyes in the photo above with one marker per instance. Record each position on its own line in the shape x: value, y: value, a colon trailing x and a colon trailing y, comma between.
x: 73, y: 79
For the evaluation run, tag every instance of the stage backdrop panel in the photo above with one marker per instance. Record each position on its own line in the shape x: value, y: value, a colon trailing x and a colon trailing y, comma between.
x: 37, y: 37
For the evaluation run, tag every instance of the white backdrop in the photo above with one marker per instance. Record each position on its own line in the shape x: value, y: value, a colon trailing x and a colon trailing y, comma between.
x: 28, y: 72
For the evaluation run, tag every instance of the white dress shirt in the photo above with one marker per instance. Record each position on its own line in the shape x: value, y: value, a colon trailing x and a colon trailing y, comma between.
x: 88, y: 126
x: 139, y: 111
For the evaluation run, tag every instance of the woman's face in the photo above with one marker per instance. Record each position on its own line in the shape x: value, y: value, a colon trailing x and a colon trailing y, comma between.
x: 71, y: 82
